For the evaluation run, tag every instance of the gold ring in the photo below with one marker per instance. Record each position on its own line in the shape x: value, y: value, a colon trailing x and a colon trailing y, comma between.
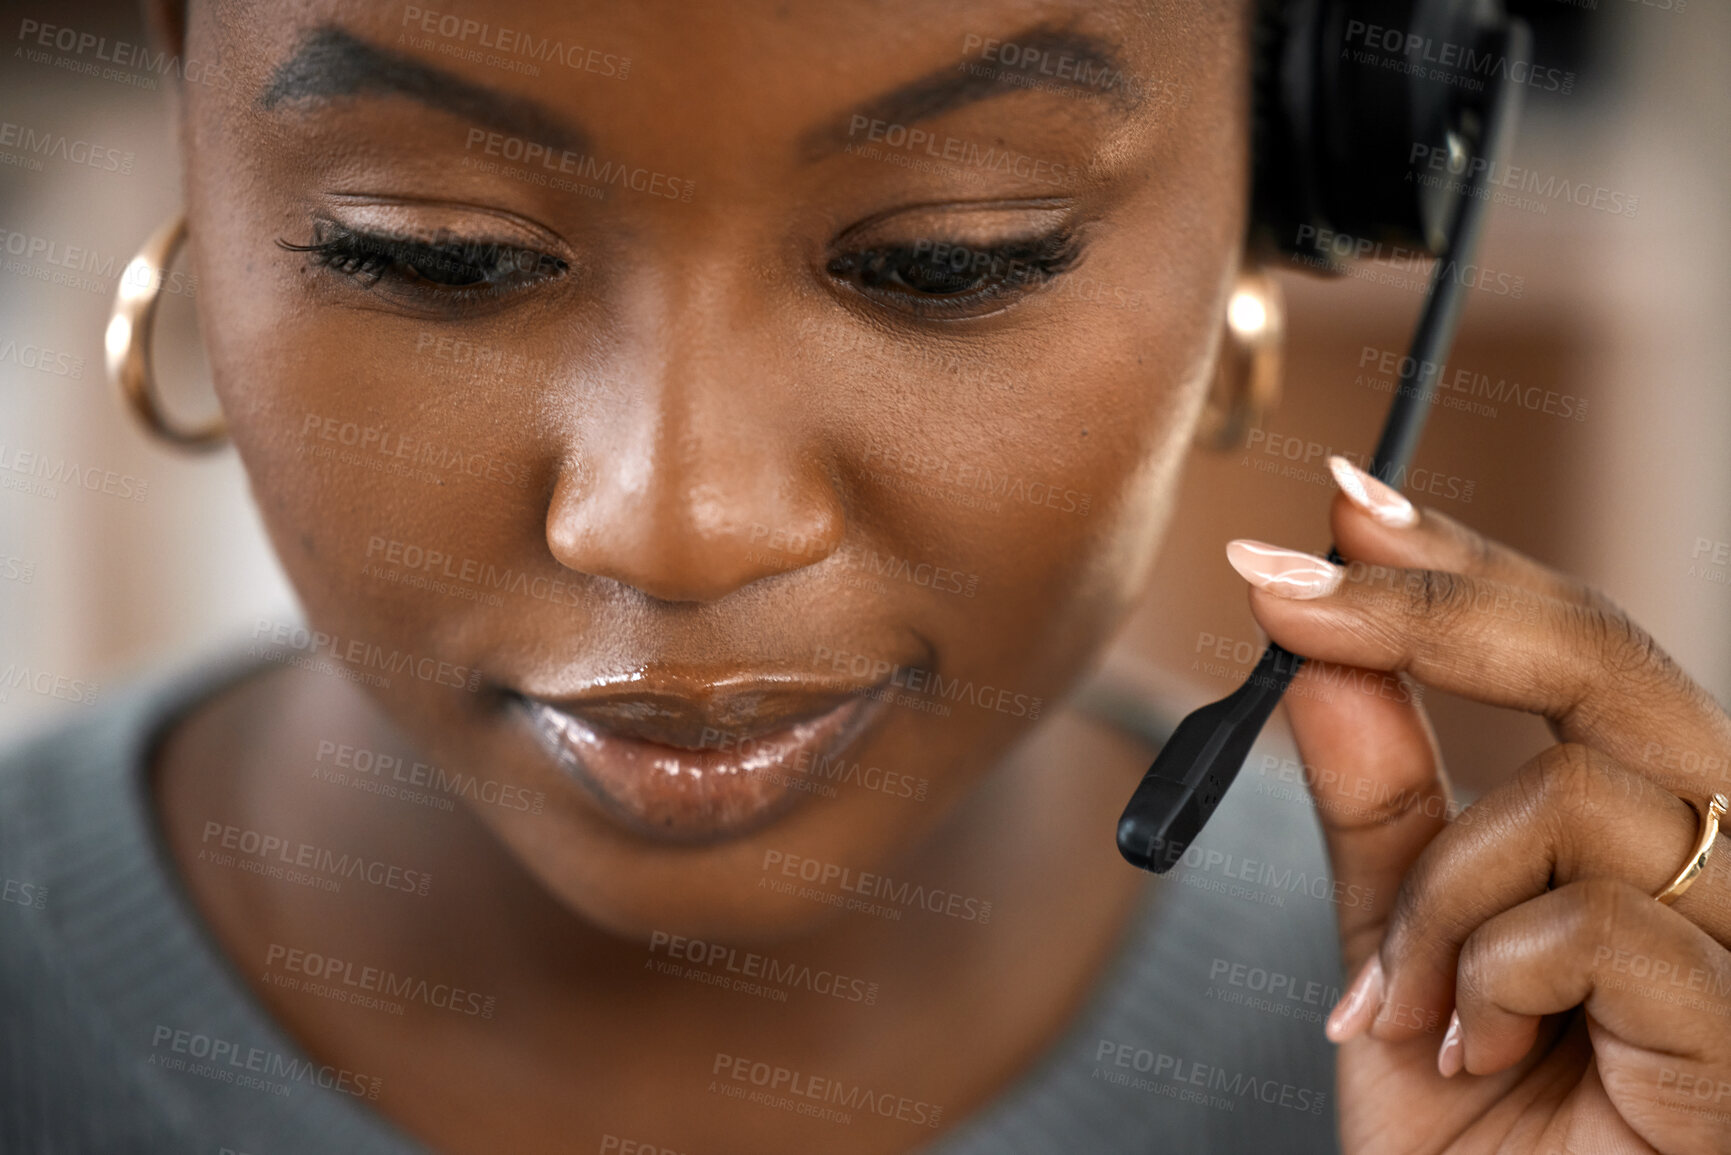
x: 1716, y: 807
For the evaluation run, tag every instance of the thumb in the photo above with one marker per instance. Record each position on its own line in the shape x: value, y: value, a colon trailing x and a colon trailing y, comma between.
x: 1371, y: 762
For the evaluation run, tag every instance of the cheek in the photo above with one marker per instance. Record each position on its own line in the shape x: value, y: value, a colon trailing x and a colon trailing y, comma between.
x: 375, y: 443
x: 1042, y: 470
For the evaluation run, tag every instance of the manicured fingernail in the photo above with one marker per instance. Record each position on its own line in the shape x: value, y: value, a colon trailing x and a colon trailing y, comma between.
x: 1284, y: 571
x: 1451, y: 1057
x: 1384, y: 504
x: 1358, y: 1007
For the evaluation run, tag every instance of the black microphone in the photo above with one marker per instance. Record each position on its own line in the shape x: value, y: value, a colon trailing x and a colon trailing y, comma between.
x: 1198, y: 764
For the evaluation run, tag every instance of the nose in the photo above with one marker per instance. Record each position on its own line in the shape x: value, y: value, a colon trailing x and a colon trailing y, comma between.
x: 694, y: 478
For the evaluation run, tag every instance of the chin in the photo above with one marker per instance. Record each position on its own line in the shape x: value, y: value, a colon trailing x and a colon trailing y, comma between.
x: 720, y: 891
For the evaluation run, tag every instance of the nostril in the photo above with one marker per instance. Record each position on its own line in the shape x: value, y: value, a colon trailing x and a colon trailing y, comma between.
x: 686, y: 542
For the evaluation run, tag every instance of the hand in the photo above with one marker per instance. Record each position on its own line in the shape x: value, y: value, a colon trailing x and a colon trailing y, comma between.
x: 1518, y: 941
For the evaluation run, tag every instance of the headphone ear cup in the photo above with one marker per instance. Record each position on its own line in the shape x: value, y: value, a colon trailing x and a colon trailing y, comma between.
x: 1284, y: 192
x: 1361, y: 106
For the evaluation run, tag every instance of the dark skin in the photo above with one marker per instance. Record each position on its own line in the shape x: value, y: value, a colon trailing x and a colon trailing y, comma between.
x: 690, y: 395
x: 551, y: 912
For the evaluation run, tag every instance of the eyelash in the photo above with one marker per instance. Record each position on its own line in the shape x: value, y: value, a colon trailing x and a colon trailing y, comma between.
x: 946, y: 278
x: 469, y: 268
x: 930, y: 278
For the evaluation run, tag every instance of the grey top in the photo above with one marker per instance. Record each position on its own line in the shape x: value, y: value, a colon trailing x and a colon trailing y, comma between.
x: 124, y: 1029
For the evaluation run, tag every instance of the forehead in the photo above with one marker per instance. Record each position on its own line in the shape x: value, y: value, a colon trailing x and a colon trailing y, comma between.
x: 657, y: 69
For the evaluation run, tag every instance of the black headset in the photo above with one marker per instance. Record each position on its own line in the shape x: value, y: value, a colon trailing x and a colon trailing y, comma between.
x: 1377, y: 121
x: 1356, y: 103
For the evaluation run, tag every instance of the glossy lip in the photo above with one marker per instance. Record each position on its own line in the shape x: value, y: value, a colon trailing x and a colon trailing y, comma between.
x: 702, y: 762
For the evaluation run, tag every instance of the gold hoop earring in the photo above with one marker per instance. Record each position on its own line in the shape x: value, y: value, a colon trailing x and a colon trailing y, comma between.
x: 1246, y: 381
x: 128, y: 339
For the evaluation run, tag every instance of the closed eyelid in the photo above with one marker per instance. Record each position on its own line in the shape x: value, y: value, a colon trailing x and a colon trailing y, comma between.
x: 410, y: 268
x: 994, y: 275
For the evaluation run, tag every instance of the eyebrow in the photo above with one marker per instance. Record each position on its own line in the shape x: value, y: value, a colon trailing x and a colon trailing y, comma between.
x: 331, y: 64
x: 948, y: 88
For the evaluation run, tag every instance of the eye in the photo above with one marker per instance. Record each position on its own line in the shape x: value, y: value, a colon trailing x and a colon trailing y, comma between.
x: 932, y: 277
x: 443, y: 269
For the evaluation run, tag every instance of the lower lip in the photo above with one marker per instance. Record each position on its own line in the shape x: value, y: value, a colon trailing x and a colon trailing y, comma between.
x: 678, y: 795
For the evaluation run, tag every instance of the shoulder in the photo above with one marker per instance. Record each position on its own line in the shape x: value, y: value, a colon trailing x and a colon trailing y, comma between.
x: 121, y: 1028
x: 68, y: 822
x: 1207, y: 1033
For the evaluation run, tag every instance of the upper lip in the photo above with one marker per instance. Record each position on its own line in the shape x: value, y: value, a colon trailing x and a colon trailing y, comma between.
x: 695, y: 714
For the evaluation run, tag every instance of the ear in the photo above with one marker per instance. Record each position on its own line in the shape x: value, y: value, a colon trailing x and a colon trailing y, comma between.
x: 1247, y: 375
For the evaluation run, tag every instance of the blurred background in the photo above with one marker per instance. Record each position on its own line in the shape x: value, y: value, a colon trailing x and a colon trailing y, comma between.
x: 1589, y: 426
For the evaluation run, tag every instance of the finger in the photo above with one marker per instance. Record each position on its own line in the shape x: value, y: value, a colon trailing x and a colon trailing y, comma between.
x: 1569, y: 815
x: 1373, y: 770
x: 1375, y: 524
x: 1598, y: 677
x: 1548, y: 955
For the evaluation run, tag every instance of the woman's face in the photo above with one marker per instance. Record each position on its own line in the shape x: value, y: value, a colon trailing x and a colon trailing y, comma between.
x: 736, y: 424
